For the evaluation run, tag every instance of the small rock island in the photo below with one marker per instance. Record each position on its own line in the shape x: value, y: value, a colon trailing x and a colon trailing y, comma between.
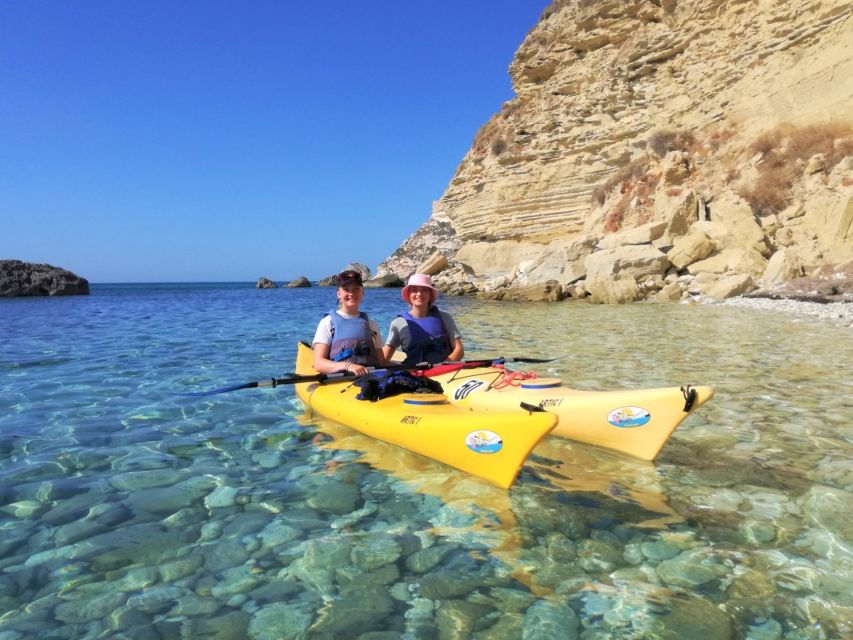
x: 18, y: 278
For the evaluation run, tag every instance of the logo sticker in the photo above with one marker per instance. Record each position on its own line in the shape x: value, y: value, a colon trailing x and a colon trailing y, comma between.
x: 628, y: 417
x: 462, y: 392
x: 484, y: 442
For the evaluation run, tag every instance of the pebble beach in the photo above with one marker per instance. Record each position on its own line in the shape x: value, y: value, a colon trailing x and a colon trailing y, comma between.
x: 836, y: 312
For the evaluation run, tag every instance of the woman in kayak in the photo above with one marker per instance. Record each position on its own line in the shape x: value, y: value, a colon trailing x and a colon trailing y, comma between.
x: 425, y: 333
x: 346, y: 339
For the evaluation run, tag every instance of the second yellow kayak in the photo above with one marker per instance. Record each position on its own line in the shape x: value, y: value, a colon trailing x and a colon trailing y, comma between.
x: 637, y: 422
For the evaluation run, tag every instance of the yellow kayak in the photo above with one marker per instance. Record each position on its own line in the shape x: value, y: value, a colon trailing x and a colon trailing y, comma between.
x: 491, y: 445
x: 637, y: 422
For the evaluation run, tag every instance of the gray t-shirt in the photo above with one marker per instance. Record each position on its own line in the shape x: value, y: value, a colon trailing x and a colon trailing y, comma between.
x: 398, y: 333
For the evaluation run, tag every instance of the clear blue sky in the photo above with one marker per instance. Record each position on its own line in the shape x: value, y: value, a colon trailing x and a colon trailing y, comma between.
x: 205, y: 140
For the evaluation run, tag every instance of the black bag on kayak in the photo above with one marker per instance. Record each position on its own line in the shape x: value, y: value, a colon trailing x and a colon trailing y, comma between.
x: 394, y: 383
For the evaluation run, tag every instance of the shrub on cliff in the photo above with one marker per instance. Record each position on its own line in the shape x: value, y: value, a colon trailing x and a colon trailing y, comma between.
x: 783, y: 151
x: 623, y: 178
x: 662, y: 141
x: 498, y: 146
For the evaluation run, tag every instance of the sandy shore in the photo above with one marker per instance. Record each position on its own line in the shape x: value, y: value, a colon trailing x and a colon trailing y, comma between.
x: 837, y: 312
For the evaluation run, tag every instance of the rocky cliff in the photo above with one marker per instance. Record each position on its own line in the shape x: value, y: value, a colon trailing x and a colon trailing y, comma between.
x: 659, y: 148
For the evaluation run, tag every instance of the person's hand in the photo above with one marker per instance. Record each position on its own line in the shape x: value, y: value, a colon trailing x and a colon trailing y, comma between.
x: 356, y: 369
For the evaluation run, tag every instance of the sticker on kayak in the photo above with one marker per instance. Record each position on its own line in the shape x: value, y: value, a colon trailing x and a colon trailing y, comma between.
x: 462, y: 392
x: 628, y: 417
x: 484, y: 442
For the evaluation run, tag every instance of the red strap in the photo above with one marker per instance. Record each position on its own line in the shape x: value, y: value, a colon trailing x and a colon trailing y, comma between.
x: 439, y: 370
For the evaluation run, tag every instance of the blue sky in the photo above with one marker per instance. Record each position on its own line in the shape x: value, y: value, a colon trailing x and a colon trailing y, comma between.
x: 215, y: 140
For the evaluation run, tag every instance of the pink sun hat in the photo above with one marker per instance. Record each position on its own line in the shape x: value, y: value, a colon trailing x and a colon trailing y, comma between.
x: 419, y: 280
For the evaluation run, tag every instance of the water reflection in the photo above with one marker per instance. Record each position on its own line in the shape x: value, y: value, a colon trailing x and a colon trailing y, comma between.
x: 577, y: 468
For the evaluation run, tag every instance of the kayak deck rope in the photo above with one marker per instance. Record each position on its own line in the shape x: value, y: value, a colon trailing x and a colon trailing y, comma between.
x: 503, y: 376
x: 510, y: 377
x: 689, y: 394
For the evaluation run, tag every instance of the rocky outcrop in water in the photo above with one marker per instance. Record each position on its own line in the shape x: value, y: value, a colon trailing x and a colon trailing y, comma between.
x: 660, y: 150
x: 266, y: 283
x: 299, y: 283
x: 19, y: 278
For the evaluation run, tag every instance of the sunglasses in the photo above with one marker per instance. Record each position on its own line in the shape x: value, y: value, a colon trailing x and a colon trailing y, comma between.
x: 349, y: 276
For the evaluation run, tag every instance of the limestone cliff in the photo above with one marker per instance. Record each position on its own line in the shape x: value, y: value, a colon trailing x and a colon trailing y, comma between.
x: 436, y: 234
x: 663, y: 148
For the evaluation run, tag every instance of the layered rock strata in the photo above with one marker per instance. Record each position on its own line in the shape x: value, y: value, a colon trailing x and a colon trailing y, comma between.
x: 659, y: 149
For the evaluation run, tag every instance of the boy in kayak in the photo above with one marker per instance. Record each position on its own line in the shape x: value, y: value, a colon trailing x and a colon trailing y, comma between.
x: 346, y: 339
x: 425, y: 333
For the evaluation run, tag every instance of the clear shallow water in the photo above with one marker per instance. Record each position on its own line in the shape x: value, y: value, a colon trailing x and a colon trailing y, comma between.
x: 128, y: 512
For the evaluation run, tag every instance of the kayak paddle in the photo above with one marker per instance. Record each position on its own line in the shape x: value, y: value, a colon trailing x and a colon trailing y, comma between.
x: 299, y: 379
x: 485, y: 362
x: 503, y: 360
x: 323, y: 377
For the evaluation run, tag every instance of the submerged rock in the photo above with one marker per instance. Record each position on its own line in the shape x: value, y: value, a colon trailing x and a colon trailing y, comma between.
x: 545, y: 620
x: 687, y: 616
x: 358, y: 610
x: 231, y: 625
x: 429, y: 558
x: 88, y: 606
x: 458, y: 618
x: 458, y: 577
x: 691, y: 569
x: 375, y: 552
x: 317, y: 567
x: 829, y: 508
x: 333, y: 499
x: 280, y: 622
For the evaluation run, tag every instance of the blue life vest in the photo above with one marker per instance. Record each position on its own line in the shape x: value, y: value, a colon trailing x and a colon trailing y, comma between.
x: 352, y: 340
x: 428, y: 340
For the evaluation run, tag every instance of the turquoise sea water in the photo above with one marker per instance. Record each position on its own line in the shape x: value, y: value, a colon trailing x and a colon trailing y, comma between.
x: 130, y: 512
